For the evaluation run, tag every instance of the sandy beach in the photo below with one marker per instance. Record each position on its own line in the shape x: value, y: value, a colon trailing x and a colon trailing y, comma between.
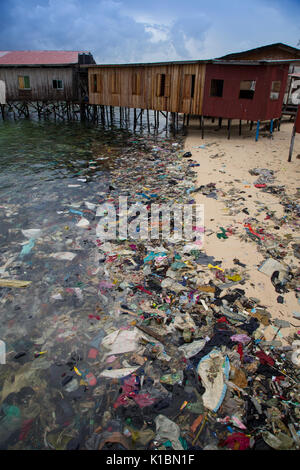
x: 227, y: 162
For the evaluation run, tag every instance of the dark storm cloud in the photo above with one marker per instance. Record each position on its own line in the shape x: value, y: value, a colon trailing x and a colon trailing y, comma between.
x: 137, y: 31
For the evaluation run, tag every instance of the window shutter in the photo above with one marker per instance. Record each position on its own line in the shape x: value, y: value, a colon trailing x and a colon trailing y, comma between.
x: 138, y: 83
x: 99, y: 83
x: 167, y: 85
x: 158, y: 81
x: 21, y: 83
x: 115, y: 83
x: 187, y: 86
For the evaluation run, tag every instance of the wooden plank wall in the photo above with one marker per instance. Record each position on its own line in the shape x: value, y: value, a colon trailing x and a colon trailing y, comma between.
x: 40, y: 83
x: 117, y: 86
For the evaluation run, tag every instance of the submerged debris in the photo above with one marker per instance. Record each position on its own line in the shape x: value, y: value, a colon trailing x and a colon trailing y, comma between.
x: 141, y: 344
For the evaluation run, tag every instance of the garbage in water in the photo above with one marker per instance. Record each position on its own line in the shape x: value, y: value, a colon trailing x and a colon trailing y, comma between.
x: 134, y: 344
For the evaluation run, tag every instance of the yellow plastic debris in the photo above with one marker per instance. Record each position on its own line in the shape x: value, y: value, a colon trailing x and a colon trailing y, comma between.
x: 77, y: 371
x: 235, y: 277
x: 214, y: 267
x: 13, y: 283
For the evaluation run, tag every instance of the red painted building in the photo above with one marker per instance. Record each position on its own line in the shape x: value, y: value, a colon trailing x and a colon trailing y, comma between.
x: 247, y: 91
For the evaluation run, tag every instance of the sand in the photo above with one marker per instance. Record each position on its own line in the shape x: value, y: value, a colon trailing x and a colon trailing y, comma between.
x: 231, y: 170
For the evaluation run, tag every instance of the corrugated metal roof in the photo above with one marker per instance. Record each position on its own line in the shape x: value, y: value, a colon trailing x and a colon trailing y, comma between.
x: 189, y: 62
x: 277, y: 45
x: 38, y: 57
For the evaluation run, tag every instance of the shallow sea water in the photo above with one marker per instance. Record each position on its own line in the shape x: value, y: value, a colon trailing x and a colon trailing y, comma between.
x: 47, y: 171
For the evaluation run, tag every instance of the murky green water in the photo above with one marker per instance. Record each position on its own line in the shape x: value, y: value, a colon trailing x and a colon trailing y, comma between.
x: 47, y: 172
x: 32, y: 152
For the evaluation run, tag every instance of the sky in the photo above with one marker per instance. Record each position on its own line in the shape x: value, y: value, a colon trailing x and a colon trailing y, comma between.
x: 128, y: 31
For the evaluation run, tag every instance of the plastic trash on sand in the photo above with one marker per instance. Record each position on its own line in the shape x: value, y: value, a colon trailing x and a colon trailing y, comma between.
x: 190, y: 350
x: 167, y: 430
x: 212, y: 368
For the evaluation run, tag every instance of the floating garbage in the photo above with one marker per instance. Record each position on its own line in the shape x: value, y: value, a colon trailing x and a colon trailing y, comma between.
x: 140, y: 344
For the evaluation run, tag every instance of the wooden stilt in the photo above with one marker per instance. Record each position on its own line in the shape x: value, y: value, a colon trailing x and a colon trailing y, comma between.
x: 229, y: 128
x: 148, y: 120
x: 94, y: 112
x: 82, y: 112
x: 240, y: 127
x: 202, y: 127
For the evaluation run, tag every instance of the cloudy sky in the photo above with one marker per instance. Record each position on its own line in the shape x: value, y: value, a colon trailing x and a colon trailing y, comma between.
x: 119, y: 31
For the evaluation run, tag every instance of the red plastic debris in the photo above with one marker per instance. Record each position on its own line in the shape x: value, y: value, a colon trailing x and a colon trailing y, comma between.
x: 252, y: 231
x: 223, y: 320
x: 142, y: 289
x: 237, y: 441
x: 264, y: 359
x: 240, y: 351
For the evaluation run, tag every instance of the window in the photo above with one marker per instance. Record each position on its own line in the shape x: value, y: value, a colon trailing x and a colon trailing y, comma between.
x: 96, y: 82
x: 115, y: 83
x: 193, y: 86
x: 163, y: 84
x: 24, y: 82
x: 136, y: 84
x: 275, y: 90
x: 247, y: 89
x: 58, y: 84
x: 189, y: 86
x: 216, y: 87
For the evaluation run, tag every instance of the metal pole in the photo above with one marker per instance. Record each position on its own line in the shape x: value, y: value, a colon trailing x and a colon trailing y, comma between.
x: 257, y: 131
x: 293, y: 137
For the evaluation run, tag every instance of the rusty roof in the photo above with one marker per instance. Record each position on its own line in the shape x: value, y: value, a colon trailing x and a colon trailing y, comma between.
x: 39, y: 57
x: 277, y: 46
